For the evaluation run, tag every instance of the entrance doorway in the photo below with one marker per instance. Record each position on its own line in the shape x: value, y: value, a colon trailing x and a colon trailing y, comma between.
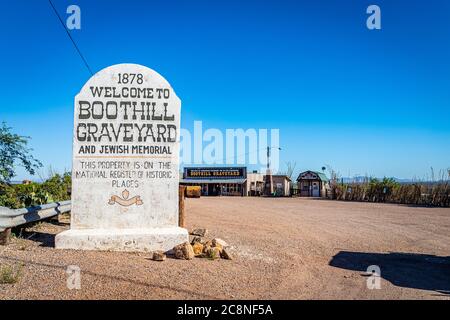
x: 213, y: 189
x: 315, y: 189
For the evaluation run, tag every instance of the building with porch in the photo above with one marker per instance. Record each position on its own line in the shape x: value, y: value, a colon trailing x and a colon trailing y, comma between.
x: 217, y: 181
x: 233, y: 181
x: 312, y: 184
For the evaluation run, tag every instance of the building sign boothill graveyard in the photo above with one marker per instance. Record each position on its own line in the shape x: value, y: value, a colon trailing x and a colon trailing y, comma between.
x: 215, y: 173
x: 125, y: 161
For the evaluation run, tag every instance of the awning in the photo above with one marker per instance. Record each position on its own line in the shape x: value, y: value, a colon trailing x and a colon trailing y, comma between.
x: 215, y: 181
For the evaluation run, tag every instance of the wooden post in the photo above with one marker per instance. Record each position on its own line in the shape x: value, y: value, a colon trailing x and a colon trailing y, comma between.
x: 5, y: 237
x: 181, y: 215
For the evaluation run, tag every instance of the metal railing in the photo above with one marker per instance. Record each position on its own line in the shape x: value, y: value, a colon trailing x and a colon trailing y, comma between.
x: 10, y: 218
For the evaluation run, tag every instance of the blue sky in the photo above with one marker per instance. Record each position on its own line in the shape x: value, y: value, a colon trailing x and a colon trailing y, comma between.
x: 365, y: 102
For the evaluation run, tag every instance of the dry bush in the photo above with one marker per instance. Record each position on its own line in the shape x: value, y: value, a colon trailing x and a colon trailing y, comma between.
x: 387, y: 190
x: 9, y: 275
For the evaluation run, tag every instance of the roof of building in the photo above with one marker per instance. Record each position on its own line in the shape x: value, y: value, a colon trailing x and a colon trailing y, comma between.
x: 218, y: 181
x: 321, y: 175
x: 281, y: 175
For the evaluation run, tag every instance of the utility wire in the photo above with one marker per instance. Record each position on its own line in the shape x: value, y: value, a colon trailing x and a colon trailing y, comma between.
x: 241, y: 155
x: 70, y: 37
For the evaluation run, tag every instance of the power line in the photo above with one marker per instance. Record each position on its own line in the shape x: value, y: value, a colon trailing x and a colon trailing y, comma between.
x: 241, y: 155
x: 70, y: 37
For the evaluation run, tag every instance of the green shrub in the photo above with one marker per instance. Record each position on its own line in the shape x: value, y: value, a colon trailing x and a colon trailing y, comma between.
x: 56, y: 188
x: 8, y: 275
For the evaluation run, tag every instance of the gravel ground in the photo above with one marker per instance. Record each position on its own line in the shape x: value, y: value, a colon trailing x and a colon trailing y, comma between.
x: 284, y: 248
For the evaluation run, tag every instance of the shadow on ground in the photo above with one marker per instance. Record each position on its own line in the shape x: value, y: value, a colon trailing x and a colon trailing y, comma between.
x: 408, y: 270
x: 45, y: 239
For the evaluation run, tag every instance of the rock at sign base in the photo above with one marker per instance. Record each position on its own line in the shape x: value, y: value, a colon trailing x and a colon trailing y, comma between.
x: 214, y: 244
x: 198, y: 248
x: 225, y: 254
x: 159, y: 256
x: 208, y: 243
x: 219, y: 247
x: 184, y: 251
x: 213, y: 253
x: 194, y: 239
x: 219, y: 243
x: 201, y: 232
x: 206, y: 246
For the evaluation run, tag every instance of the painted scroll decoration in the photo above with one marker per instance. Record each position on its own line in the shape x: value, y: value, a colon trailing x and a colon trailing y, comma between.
x: 125, y: 201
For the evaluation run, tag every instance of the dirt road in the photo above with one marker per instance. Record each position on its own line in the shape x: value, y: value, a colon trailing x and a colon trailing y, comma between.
x: 284, y: 248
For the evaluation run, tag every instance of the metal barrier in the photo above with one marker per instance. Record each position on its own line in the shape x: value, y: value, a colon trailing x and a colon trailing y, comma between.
x: 10, y: 218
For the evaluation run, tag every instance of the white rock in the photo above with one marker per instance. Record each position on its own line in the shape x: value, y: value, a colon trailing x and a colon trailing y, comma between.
x: 201, y: 232
x: 220, y: 242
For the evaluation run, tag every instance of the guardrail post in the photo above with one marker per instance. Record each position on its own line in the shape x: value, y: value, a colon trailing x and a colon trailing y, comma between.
x: 181, y: 216
x: 5, y: 237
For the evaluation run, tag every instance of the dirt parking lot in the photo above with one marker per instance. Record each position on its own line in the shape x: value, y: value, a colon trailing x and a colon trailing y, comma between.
x: 284, y: 248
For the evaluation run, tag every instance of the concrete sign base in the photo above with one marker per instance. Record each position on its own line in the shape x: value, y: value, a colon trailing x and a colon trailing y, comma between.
x: 133, y: 240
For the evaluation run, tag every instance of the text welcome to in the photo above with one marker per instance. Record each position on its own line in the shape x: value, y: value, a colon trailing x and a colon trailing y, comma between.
x: 125, y: 114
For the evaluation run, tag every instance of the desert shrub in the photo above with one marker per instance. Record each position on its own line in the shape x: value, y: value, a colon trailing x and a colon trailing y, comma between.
x: 388, y: 190
x: 9, y: 275
x: 56, y: 188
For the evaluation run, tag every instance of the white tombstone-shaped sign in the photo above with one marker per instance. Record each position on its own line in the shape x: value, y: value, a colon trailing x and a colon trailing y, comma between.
x: 125, y: 163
